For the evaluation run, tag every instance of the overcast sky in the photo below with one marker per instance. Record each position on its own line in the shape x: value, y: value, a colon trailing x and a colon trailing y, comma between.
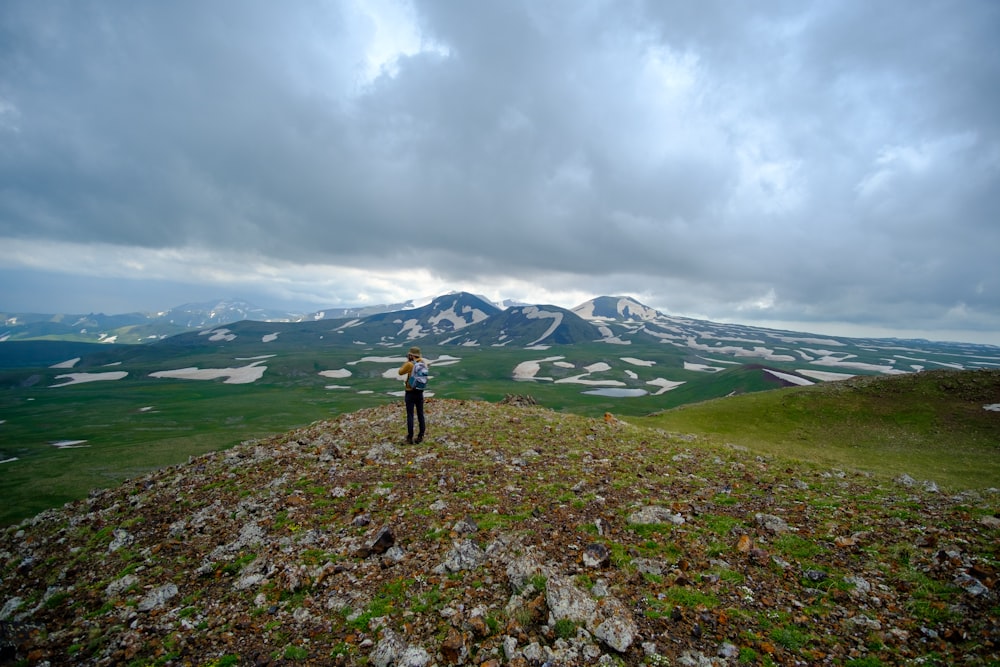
x: 831, y: 167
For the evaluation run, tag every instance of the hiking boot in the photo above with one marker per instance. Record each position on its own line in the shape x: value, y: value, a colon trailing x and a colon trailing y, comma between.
x: 419, y: 439
x: 409, y: 440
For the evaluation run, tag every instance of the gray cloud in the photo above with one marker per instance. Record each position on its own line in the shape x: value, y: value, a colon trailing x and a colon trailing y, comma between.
x: 824, y: 163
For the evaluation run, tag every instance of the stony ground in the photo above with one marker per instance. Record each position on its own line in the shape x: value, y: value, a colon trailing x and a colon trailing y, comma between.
x: 513, y: 536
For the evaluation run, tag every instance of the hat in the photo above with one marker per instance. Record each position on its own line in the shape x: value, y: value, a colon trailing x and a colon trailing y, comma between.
x: 415, y: 351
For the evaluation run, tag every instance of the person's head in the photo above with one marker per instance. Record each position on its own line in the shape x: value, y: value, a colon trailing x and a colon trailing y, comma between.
x: 414, y: 353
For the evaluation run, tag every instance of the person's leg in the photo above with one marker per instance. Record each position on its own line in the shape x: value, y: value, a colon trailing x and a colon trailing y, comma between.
x: 419, y: 405
x: 410, y: 400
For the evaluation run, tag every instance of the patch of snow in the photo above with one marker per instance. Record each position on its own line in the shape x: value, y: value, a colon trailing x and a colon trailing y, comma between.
x: 841, y: 362
x: 578, y: 379
x: 992, y: 407
x: 956, y: 366
x: 378, y: 360
x: 825, y: 376
x: 617, y: 393
x: 269, y: 338
x: 527, y: 370
x: 762, y: 352
x: 615, y: 340
x: 599, y: 367
x: 719, y: 361
x: 412, y: 329
x: 688, y: 366
x: 69, y: 444
x: 444, y: 360
x: 77, y: 378
x: 241, y: 375
x: 787, y: 377
x: 534, y: 313
x: 216, y: 335
x: 664, y: 385
x: 69, y: 363
x: 336, y: 374
x: 10, y: 460
x: 810, y: 341
x: 637, y: 362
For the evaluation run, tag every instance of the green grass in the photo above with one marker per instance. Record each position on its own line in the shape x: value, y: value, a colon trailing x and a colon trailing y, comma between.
x: 929, y: 425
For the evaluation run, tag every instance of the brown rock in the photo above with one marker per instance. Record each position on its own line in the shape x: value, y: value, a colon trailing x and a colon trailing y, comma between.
x: 453, y: 648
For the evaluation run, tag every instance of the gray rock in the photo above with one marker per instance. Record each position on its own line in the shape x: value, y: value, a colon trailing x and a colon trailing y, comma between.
x: 655, y: 514
x: 465, y: 555
x: 596, y: 556
x: 120, y: 538
x: 389, y: 649
x: 775, y: 524
x: 119, y: 586
x: 157, y: 597
x: 9, y: 607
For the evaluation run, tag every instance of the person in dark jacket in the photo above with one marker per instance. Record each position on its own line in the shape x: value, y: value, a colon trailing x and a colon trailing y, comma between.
x: 413, y: 398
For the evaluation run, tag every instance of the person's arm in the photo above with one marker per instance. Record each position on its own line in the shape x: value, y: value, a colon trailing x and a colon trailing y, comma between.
x: 405, y: 368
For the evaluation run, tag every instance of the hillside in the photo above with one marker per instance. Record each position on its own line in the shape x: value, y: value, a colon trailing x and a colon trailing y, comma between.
x: 943, y: 424
x: 514, y: 535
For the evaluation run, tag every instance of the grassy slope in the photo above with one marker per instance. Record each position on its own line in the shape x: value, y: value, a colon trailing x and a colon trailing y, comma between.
x: 930, y: 425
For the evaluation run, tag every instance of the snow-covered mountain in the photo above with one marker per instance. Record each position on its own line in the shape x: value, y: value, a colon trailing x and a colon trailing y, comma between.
x: 466, y: 320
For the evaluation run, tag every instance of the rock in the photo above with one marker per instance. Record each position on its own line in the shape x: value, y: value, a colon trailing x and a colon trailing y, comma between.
x: 120, y: 538
x: 860, y: 588
x: 465, y: 555
x: 649, y: 566
x: 971, y: 585
x: 608, y: 619
x: 652, y: 514
x: 9, y: 607
x: 728, y: 651
x: 453, y: 648
x: 119, y: 586
x: 157, y: 597
x: 389, y: 649
x: 774, y: 524
x: 465, y: 526
x: 384, y: 539
x: 617, y: 629
x: 567, y: 602
x: 596, y: 556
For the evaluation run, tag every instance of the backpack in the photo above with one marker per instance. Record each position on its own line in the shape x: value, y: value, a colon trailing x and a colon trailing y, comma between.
x: 419, y: 375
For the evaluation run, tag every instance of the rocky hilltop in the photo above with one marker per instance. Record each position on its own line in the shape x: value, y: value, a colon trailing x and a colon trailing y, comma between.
x: 513, y: 535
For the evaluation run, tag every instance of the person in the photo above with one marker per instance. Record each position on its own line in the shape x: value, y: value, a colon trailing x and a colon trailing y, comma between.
x: 413, y: 398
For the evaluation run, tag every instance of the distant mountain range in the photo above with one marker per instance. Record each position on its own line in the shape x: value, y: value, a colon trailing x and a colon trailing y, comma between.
x: 466, y: 320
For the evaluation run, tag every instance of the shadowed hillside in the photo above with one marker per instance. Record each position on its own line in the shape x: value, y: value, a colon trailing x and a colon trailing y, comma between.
x: 513, y: 536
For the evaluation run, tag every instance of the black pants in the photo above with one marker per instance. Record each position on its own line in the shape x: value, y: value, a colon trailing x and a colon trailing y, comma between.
x: 414, y: 402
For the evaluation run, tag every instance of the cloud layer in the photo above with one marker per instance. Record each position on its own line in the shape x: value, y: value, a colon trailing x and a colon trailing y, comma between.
x: 832, y: 165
